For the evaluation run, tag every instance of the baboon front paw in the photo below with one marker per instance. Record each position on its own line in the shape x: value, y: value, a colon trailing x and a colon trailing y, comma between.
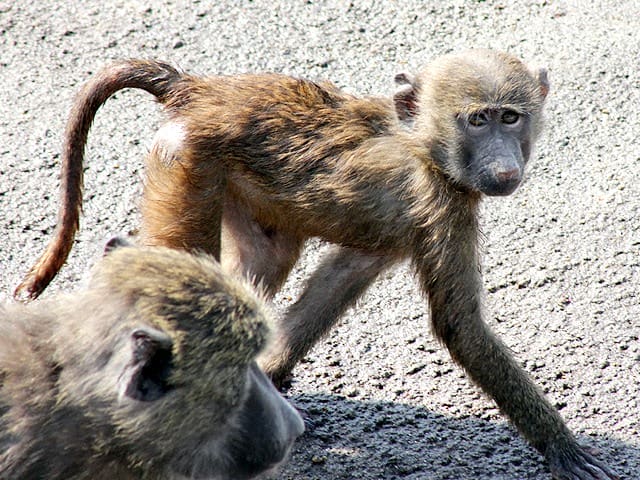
x: 578, y: 463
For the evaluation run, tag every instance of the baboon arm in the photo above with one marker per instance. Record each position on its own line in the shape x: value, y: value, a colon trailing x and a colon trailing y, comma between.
x: 343, y: 276
x: 456, y: 315
x: 490, y: 365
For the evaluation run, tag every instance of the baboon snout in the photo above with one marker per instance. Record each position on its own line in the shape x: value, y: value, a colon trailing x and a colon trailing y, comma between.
x: 501, y: 178
x: 268, y: 427
x: 507, y: 175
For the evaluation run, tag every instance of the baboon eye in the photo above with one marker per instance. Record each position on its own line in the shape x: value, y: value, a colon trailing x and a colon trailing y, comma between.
x: 509, y: 117
x: 478, y: 119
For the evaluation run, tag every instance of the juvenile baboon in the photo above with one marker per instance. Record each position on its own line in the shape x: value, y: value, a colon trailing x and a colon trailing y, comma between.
x: 148, y: 373
x: 275, y: 160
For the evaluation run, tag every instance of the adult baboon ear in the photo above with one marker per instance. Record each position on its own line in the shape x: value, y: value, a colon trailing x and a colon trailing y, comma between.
x: 543, y: 79
x: 114, y: 243
x: 406, y: 99
x: 146, y: 376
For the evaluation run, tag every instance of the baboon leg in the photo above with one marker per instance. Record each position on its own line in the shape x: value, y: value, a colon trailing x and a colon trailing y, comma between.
x: 265, y: 256
x: 456, y: 315
x: 342, y: 277
x: 180, y: 208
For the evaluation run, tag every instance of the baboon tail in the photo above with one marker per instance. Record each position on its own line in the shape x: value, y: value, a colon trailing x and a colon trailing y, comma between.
x: 154, y: 77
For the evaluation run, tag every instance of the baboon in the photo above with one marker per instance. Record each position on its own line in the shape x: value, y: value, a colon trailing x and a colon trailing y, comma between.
x: 248, y: 167
x: 149, y: 372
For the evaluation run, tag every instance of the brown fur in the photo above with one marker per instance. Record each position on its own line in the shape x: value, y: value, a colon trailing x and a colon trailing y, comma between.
x: 145, y: 374
x: 274, y: 160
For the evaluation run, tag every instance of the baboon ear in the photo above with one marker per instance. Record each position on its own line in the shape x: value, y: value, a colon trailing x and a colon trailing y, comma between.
x: 146, y: 376
x: 114, y: 243
x: 406, y: 99
x: 543, y: 79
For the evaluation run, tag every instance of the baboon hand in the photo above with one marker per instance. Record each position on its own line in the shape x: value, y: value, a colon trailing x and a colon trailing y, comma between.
x: 578, y: 463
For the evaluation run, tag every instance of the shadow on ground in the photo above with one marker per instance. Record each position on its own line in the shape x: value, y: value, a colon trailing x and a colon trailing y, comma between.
x: 347, y: 439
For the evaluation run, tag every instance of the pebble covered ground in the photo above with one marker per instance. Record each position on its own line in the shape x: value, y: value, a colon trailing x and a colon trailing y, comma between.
x: 382, y: 398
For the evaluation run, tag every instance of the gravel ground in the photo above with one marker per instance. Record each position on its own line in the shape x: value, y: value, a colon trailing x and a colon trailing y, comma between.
x: 561, y: 267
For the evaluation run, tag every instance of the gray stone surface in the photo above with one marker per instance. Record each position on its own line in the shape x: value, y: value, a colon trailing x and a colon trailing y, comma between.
x: 562, y: 262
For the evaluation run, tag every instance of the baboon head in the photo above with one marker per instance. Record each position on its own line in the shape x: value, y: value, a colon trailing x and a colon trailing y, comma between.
x: 479, y: 112
x: 164, y: 361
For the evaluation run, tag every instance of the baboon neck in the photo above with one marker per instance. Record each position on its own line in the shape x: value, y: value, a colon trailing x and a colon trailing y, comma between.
x: 446, y: 221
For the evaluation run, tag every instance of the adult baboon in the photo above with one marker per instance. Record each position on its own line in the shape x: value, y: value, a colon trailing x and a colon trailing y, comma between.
x: 148, y: 373
x: 275, y: 160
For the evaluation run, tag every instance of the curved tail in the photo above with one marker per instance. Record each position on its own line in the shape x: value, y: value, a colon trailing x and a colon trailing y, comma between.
x: 154, y: 77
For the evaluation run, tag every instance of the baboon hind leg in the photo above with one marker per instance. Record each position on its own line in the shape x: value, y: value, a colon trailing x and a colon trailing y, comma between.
x: 182, y: 204
x: 342, y: 277
x: 263, y: 255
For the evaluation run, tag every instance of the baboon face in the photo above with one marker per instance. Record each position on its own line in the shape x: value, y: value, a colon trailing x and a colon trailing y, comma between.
x: 495, y: 148
x: 211, y: 417
x: 481, y: 111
